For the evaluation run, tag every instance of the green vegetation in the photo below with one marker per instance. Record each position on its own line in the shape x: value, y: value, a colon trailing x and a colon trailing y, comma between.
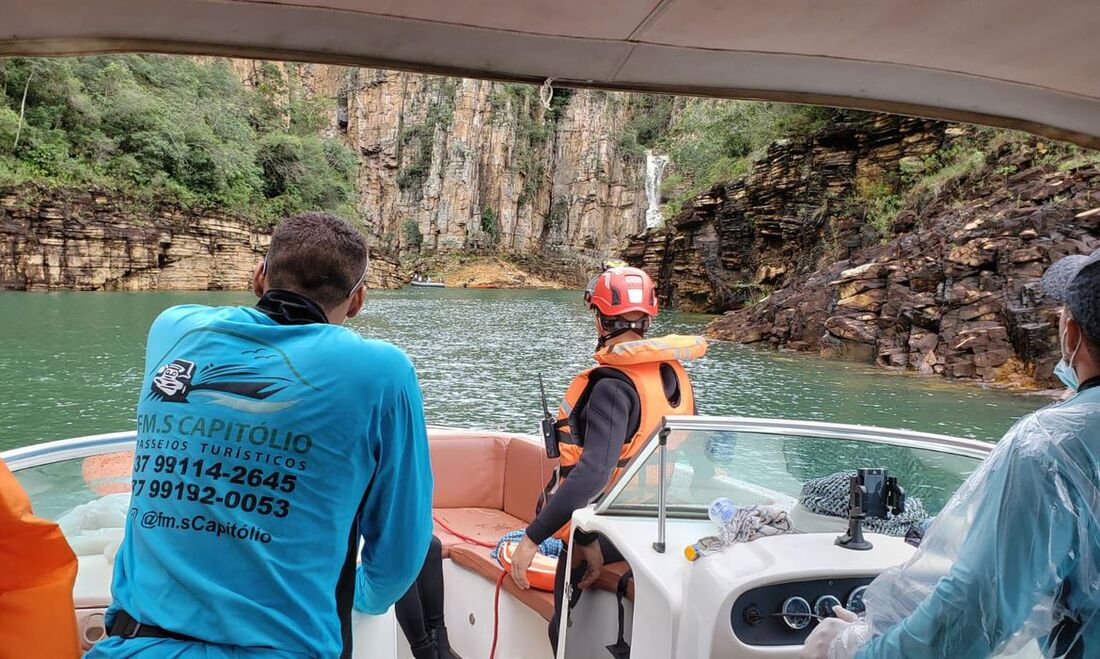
x: 942, y: 169
x: 410, y: 233
x: 507, y: 95
x: 922, y: 181
x: 490, y: 225
x: 878, y: 203
x: 1077, y: 158
x: 534, y: 126
x: 710, y: 141
x: 555, y: 220
x: 527, y: 156
x: 417, y: 141
x: 155, y: 126
x: 650, y: 118
x: 532, y: 131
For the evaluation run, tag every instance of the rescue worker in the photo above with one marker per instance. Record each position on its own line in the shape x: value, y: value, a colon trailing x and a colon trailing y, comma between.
x: 1014, y: 557
x: 606, y: 416
x: 37, y: 573
x: 271, y: 442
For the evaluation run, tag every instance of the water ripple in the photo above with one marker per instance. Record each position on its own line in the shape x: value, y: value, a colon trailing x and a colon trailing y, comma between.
x: 71, y: 364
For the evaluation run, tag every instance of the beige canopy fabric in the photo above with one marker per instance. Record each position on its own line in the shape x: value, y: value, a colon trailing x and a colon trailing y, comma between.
x: 1027, y: 64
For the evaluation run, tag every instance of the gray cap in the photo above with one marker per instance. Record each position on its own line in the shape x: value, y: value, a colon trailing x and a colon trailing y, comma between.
x: 1075, y: 280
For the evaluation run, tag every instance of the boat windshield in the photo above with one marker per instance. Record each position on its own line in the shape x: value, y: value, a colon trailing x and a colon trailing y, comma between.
x: 83, y: 484
x: 762, y: 462
x: 57, y: 488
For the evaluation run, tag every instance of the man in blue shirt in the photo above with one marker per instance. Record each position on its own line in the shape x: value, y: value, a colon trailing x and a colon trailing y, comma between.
x: 1014, y: 557
x: 271, y: 440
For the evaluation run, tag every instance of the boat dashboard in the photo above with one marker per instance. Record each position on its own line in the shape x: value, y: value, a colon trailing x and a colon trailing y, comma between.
x: 781, y: 614
x: 753, y: 599
x: 760, y: 598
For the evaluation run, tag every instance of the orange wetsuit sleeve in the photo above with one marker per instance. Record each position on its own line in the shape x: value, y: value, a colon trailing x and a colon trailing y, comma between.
x: 37, y: 572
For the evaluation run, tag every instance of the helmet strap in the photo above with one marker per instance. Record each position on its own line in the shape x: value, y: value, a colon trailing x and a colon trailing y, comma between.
x: 614, y: 326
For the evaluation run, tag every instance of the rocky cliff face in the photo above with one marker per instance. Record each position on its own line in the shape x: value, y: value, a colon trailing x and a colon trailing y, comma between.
x: 948, y: 286
x: 749, y: 236
x: 483, y: 165
x: 466, y: 164
x: 79, y: 239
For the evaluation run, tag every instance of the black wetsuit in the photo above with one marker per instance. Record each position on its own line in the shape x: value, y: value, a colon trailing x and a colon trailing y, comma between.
x: 609, y: 417
x: 420, y: 610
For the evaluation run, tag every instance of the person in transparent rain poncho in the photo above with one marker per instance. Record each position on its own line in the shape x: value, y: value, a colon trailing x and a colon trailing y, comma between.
x: 1014, y: 557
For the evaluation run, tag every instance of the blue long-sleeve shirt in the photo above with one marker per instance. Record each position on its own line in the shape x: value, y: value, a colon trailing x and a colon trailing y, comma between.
x: 1025, y: 546
x: 265, y: 452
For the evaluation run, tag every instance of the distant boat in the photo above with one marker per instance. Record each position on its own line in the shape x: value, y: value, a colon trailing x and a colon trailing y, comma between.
x: 428, y: 283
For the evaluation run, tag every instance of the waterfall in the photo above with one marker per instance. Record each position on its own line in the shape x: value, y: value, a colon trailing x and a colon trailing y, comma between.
x: 654, y: 168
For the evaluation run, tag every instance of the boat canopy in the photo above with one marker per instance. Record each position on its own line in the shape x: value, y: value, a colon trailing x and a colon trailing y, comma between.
x: 1013, y: 63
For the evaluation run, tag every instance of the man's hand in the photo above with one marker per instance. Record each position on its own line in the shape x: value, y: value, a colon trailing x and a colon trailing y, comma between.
x: 836, y: 638
x: 593, y: 556
x: 521, y: 560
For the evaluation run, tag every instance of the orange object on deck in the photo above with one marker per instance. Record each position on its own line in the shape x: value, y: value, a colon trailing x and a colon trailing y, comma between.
x: 37, y: 572
x: 109, y: 473
x: 541, y: 573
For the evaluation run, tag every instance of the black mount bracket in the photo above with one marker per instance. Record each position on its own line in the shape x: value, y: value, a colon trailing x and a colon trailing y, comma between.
x: 871, y: 493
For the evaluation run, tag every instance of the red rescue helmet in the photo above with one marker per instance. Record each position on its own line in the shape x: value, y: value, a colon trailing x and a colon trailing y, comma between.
x: 622, y: 290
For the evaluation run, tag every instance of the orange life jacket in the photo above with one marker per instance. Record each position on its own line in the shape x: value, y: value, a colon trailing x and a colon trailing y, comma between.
x: 641, y: 363
x: 37, y: 572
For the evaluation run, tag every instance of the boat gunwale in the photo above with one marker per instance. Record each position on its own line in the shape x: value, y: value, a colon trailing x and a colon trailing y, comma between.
x: 59, y: 450
x: 84, y: 446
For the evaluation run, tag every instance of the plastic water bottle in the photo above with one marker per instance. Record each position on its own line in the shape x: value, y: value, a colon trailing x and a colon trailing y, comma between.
x: 706, y: 545
x: 722, y: 511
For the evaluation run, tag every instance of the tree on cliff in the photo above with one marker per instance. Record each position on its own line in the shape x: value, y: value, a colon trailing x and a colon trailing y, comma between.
x: 171, y: 126
x: 410, y: 231
x: 710, y: 140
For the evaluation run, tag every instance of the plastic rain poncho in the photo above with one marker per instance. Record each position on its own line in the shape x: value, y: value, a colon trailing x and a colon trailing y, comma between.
x: 1013, y: 558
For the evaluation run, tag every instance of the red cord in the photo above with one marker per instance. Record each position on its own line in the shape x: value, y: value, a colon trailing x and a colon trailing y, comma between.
x: 480, y: 543
x: 500, y: 581
x: 496, y: 615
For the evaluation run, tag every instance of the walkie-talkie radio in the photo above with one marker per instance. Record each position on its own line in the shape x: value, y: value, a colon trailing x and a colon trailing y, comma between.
x: 548, y: 426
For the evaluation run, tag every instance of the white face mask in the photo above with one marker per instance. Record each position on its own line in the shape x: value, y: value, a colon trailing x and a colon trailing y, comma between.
x: 1064, y: 370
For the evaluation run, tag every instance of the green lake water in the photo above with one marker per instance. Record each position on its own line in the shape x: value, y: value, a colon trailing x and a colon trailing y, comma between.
x: 71, y: 365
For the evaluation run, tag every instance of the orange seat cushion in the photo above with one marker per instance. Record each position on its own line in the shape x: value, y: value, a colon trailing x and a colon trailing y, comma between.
x: 487, y: 485
x: 526, y: 471
x: 468, y: 470
x: 478, y: 559
x: 483, y: 524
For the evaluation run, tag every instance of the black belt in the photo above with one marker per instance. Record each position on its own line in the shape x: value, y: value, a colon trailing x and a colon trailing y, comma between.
x: 125, y: 626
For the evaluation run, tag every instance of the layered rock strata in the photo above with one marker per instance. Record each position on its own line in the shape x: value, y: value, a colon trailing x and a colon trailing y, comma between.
x: 86, y: 239
x: 748, y: 236
x: 954, y: 291
x: 478, y: 165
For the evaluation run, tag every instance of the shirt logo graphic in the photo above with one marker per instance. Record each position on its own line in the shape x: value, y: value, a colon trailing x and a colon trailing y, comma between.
x: 262, y: 381
x: 173, y: 381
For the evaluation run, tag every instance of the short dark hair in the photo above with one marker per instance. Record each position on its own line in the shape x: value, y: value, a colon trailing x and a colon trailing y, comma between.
x: 1092, y: 344
x: 318, y: 255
